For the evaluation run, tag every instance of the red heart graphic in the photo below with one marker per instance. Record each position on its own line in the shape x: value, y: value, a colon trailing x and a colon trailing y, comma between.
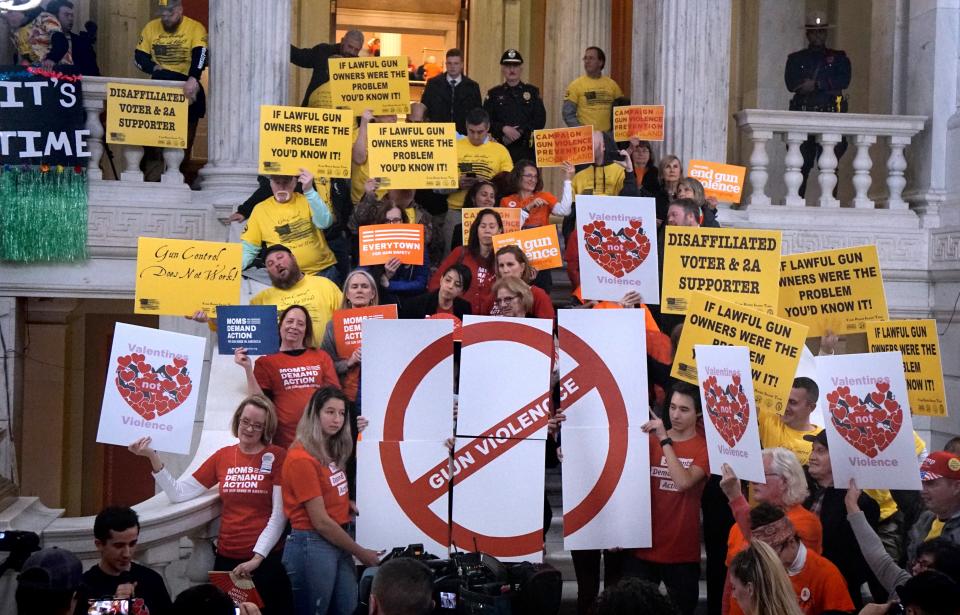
x: 870, y: 423
x: 728, y: 408
x: 618, y: 253
x: 149, y: 391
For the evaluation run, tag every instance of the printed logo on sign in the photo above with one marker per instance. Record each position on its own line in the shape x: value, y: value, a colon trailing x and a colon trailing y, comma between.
x: 870, y: 423
x: 152, y: 392
x: 727, y: 407
x: 618, y: 253
x: 149, y: 304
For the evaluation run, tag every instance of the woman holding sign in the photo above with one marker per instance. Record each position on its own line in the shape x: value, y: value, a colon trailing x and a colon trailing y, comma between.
x: 289, y: 376
x: 477, y: 256
x: 513, y: 263
x: 249, y: 476
x: 359, y: 291
x: 398, y: 281
x: 319, y: 553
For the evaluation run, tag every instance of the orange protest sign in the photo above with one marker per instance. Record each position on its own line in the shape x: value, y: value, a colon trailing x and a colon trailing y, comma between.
x: 348, y: 325
x: 381, y: 242
x: 509, y: 215
x: 644, y: 122
x: 555, y: 146
x: 539, y: 244
x: 724, y: 181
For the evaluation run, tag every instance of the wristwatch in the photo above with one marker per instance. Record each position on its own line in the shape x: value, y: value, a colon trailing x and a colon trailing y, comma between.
x: 666, y: 441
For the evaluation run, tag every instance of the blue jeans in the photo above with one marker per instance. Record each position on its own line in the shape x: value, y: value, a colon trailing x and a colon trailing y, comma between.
x: 322, y: 575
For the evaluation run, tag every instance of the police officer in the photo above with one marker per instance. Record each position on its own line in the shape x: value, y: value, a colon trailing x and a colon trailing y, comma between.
x: 515, y: 108
x: 817, y: 77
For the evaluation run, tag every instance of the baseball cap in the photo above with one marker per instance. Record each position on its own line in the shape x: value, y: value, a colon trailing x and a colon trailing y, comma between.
x: 931, y: 591
x: 52, y: 569
x: 820, y: 436
x: 940, y: 464
x: 511, y: 56
x: 277, y: 247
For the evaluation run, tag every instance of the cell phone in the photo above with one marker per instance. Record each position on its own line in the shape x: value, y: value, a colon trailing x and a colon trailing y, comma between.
x: 236, y: 610
x: 108, y: 607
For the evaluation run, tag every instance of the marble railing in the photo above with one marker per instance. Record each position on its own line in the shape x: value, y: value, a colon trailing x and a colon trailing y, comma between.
x: 861, y: 130
x: 94, y: 102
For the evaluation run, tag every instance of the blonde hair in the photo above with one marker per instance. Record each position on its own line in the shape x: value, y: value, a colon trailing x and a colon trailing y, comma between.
x: 786, y: 465
x: 699, y: 196
x: 517, y: 287
x: 269, y: 426
x: 759, y: 566
x: 334, y: 449
x: 529, y: 273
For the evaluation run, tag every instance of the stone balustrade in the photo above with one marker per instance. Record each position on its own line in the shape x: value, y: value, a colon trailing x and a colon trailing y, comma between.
x: 94, y: 103
x: 861, y: 130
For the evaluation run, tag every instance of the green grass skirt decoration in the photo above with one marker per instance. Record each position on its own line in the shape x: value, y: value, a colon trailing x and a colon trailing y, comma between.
x: 43, y: 214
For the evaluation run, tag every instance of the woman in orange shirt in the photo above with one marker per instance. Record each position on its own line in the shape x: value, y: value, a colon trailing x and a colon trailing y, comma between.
x: 529, y: 195
x: 319, y: 552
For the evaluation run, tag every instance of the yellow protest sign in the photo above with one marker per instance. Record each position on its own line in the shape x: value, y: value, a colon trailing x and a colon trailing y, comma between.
x: 555, y: 146
x: 319, y: 140
x: 739, y: 265
x: 723, y: 181
x: 539, y: 244
x: 146, y: 115
x: 775, y: 345
x: 379, y: 84
x: 644, y: 122
x: 917, y: 340
x: 412, y: 156
x: 509, y: 215
x: 840, y: 290
x: 176, y: 277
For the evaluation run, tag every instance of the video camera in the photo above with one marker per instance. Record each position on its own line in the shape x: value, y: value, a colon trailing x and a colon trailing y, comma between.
x: 19, y: 545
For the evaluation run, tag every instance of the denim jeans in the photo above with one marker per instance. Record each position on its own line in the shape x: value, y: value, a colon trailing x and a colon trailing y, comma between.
x: 322, y: 575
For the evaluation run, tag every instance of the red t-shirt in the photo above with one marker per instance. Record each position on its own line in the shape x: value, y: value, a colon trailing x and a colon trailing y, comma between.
x: 290, y: 378
x: 819, y: 587
x: 305, y: 478
x: 542, y: 305
x: 246, y: 491
x: 675, y: 514
x: 539, y: 215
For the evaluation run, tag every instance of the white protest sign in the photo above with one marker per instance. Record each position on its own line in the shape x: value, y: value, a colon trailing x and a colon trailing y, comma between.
x: 868, y: 421
x: 397, y: 352
x: 618, y: 247
x: 152, y: 388
x: 603, y: 390
x: 729, y: 410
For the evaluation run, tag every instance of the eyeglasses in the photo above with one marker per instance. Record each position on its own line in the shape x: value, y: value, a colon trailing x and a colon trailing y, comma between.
x: 530, y: 176
x: 247, y: 424
x: 394, y: 220
x: 780, y: 546
x: 507, y: 300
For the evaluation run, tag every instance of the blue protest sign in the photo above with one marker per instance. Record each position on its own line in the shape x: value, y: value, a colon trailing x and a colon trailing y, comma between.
x: 253, y: 327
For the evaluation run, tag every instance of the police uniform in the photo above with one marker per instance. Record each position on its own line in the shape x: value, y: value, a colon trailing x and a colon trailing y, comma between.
x: 519, y: 106
x: 830, y: 70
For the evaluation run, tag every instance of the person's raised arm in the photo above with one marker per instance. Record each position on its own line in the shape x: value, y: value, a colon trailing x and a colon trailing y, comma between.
x: 683, y: 478
x: 730, y: 485
x: 359, y: 152
x: 177, y: 490
x: 241, y: 358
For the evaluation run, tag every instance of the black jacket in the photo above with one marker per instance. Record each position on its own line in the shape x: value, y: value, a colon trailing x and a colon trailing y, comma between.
x: 446, y: 104
x: 426, y: 305
x: 314, y: 58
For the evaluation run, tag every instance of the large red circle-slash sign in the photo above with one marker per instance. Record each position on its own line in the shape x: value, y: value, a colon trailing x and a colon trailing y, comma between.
x: 415, y: 496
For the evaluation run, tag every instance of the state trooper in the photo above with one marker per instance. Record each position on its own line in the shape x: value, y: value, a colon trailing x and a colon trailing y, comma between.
x: 515, y: 109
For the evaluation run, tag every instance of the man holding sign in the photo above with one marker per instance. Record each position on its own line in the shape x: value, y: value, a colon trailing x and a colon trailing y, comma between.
x: 294, y: 220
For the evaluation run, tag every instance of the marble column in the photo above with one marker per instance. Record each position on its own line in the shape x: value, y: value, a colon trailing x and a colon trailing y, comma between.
x: 250, y: 60
x: 931, y: 89
x: 8, y: 393
x: 681, y: 59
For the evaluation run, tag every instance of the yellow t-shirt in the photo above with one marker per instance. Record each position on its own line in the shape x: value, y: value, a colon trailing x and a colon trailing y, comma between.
x: 594, y: 100
x: 485, y: 161
x: 321, y: 97
x: 936, y: 528
x: 604, y: 181
x: 172, y: 50
x: 291, y: 224
x: 318, y: 294
x: 774, y: 432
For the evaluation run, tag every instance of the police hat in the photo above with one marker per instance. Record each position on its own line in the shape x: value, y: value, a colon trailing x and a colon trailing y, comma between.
x: 511, y: 56
x: 817, y: 20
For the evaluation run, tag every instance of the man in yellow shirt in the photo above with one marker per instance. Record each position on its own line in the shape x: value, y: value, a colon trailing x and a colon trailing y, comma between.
x: 294, y: 220
x: 787, y: 431
x: 589, y: 98
x: 478, y: 158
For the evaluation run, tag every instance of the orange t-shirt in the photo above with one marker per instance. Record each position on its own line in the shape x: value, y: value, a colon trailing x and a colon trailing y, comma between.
x: 675, y: 514
x: 539, y: 215
x: 819, y: 587
x: 246, y: 492
x: 805, y: 522
x: 289, y: 379
x: 305, y: 478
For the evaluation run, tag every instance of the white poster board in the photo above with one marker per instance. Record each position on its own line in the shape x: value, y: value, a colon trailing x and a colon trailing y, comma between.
x: 617, y: 239
x: 729, y: 410
x: 603, y: 388
x: 868, y: 421
x: 152, y: 388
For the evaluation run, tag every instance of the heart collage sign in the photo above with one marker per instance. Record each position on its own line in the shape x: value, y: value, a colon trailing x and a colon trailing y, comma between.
x: 868, y: 421
x: 618, y: 247
x: 151, y: 388
x: 729, y: 413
